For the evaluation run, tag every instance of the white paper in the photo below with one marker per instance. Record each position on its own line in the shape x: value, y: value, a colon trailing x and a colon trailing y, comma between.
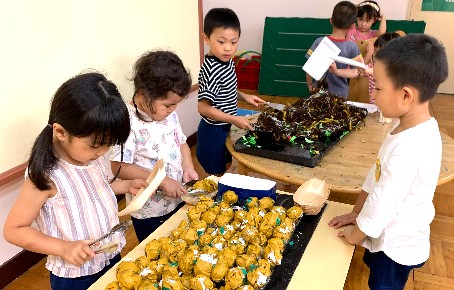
x: 246, y: 182
x: 154, y: 180
x: 323, y: 56
x: 319, y: 61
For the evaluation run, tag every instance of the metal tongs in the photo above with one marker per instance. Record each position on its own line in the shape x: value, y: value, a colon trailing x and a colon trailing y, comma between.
x: 194, y: 191
x: 120, y: 227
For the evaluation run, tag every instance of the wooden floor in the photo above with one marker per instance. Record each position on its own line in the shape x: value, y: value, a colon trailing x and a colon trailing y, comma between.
x: 437, y: 273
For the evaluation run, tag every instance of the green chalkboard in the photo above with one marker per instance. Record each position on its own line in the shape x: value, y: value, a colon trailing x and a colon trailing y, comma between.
x: 285, y: 43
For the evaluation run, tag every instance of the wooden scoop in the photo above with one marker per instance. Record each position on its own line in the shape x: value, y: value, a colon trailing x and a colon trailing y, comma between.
x: 154, y: 179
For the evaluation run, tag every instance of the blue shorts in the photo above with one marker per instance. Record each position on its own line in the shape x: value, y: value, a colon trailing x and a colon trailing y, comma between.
x: 385, y: 274
x: 80, y: 283
x: 211, y: 150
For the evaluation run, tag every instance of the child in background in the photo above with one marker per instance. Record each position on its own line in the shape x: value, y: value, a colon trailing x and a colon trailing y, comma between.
x: 161, y: 82
x: 343, y: 17
x: 381, y: 41
x: 368, y: 14
x: 218, y: 94
x: 66, y: 191
x: 394, y: 210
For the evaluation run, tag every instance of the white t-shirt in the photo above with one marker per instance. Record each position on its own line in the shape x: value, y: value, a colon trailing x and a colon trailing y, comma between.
x: 147, y: 142
x: 398, y: 210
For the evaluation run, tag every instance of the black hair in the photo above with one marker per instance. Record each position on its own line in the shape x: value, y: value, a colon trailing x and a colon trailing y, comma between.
x: 371, y: 8
x: 220, y: 18
x: 418, y: 60
x: 344, y: 14
x: 383, y: 39
x: 85, y: 105
x: 158, y: 72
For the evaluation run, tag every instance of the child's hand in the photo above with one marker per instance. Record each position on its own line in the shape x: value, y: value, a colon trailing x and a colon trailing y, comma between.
x: 333, y: 68
x: 172, y: 188
x: 253, y: 100
x: 77, y: 252
x: 242, y: 123
x: 345, y: 232
x: 135, y: 185
x: 343, y: 220
x: 189, y: 174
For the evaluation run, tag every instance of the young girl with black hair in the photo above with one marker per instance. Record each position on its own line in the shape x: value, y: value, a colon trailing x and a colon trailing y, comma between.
x: 368, y: 14
x: 160, y: 82
x: 66, y: 190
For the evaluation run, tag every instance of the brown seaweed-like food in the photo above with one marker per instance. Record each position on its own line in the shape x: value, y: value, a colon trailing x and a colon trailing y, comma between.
x: 311, y: 123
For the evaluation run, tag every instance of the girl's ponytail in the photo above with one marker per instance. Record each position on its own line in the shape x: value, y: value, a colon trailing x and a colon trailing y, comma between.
x: 42, y: 159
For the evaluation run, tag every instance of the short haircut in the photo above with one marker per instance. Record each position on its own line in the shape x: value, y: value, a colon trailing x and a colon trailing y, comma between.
x: 417, y: 60
x: 383, y: 39
x: 370, y: 8
x: 220, y: 18
x: 344, y: 14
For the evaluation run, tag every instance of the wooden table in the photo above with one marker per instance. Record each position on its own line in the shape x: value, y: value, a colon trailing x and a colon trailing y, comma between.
x: 325, y: 256
x: 344, y: 167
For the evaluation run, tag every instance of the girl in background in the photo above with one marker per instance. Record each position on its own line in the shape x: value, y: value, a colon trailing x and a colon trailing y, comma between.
x: 375, y: 46
x: 368, y: 14
x: 67, y: 192
x: 161, y: 82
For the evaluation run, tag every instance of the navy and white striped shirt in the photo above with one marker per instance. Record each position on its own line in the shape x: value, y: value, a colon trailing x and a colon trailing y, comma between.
x: 218, y: 84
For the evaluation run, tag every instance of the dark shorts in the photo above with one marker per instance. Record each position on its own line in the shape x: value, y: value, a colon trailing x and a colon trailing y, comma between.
x: 144, y: 227
x: 211, y: 150
x: 385, y: 274
x: 80, y: 283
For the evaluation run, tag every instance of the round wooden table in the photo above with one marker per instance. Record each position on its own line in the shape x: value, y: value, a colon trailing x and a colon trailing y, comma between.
x: 344, y: 167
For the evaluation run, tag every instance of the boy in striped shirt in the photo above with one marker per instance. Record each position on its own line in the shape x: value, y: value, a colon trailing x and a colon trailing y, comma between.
x: 218, y: 92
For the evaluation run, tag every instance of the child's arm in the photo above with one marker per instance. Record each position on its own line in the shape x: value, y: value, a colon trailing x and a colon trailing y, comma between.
x: 131, y: 186
x: 18, y: 230
x: 382, y: 28
x: 346, y: 73
x: 188, y: 167
x: 353, y: 235
x: 369, y: 52
x: 251, y: 99
x: 350, y: 218
x: 211, y: 112
x: 309, y: 82
x: 169, y: 186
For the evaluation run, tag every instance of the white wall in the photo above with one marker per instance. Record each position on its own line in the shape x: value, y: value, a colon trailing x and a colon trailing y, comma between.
x: 45, y: 42
x: 8, y: 194
x: 252, y: 14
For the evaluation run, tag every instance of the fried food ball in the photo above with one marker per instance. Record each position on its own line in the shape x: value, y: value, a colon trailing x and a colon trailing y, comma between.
x: 172, y: 283
x: 245, y: 260
x: 273, y: 254
x: 142, y: 262
x: 295, y: 212
x: 201, y: 282
x: 230, y: 197
x: 206, y: 184
x: 146, y: 284
x: 219, y: 271
x: 209, y: 216
x: 227, y: 256
x: 234, y: 277
x: 252, y: 202
x: 153, y: 249
x: 266, y: 203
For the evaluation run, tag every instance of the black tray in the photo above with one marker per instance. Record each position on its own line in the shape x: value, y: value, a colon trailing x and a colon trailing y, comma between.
x: 292, y: 154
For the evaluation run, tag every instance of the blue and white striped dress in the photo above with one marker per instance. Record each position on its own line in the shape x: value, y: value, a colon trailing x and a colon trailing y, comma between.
x: 84, y: 208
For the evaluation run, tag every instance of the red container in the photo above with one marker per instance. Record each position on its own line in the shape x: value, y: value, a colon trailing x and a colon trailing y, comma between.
x: 247, y: 72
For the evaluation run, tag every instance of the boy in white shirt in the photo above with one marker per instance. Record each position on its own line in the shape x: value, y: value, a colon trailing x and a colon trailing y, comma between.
x: 393, y: 212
